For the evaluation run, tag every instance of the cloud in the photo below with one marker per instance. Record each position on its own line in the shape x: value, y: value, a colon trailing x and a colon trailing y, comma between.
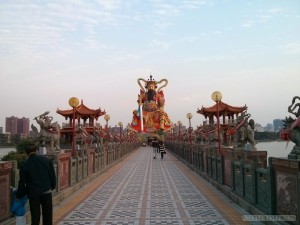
x: 35, y: 30
x: 195, y: 59
x: 163, y: 9
x: 160, y: 45
x: 214, y: 58
x: 292, y: 48
x: 193, y: 4
x: 261, y: 16
x: 126, y: 57
x: 217, y: 32
x: 264, y: 17
x: 275, y: 11
x: 164, y: 14
x: 248, y: 23
x: 110, y: 5
x: 191, y: 39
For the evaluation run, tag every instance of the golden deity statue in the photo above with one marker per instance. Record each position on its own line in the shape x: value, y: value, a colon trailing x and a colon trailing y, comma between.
x: 150, y: 116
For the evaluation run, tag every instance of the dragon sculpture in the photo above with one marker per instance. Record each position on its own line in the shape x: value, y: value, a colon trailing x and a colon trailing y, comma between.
x: 291, y: 131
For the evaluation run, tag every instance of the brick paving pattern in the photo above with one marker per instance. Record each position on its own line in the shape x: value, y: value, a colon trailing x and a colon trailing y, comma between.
x: 148, y: 191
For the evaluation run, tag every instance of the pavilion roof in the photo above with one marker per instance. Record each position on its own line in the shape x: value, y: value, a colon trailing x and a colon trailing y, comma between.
x: 224, y: 109
x: 82, y: 111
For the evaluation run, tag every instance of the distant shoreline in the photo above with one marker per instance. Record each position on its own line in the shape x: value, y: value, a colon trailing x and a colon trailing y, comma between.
x: 8, y: 146
x: 258, y: 141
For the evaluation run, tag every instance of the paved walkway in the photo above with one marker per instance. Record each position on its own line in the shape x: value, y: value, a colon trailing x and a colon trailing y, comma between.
x: 141, y: 190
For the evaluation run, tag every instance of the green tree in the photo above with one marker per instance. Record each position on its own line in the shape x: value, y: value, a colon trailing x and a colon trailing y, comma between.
x: 22, y: 145
x: 20, y: 154
x: 19, y: 157
x: 266, y: 136
x: 16, y: 139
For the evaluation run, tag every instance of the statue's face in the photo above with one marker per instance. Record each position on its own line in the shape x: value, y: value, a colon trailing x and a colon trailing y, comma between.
x: 151, y: 87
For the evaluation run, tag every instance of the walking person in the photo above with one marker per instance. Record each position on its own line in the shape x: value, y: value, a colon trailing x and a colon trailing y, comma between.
x: 155, y: 147
x: 37, y: 179
x: 162, y: 149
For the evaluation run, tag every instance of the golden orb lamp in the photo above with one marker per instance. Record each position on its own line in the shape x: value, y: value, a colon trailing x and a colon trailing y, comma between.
x: 73, y: 102
x: 179, y: 124
x: 189, y: 116
x: 107, y: 118
x: 120, y: 125
x: 217, y: 97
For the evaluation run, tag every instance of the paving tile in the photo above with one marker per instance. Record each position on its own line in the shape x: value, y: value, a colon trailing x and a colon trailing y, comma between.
x: 145, y: 191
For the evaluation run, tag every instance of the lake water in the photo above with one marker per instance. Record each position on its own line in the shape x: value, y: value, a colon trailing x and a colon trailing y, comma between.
x: 274, y: 148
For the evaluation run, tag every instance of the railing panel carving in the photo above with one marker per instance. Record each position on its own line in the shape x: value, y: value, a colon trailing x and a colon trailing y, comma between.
x: 287, y: 186
x: 238, y: 184
x: 263, y: 193
x: 6, y: 171
x: 249, y: 183
x: 64, y: 170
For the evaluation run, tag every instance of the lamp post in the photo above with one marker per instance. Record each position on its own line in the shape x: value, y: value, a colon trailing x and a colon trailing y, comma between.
x: 217, y: 97
x: 179, y: 124
x: 127, y: 132
x: 190, y: 116
x: 120, y: 125
x: 73, y: 102
x: 106, y: 117
x: 172, y: 133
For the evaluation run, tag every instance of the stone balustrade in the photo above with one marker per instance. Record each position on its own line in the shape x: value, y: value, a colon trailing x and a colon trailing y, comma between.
x: 72, y: 172
x: 259, y: 185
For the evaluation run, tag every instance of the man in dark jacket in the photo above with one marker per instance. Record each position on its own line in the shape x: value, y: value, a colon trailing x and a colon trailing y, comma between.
x: 37, y: 179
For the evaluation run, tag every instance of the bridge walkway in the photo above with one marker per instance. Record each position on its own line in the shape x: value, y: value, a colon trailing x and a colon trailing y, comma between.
x: 141, y: 190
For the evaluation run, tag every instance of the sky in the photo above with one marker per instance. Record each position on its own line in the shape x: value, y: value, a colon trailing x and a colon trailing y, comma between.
x: 96, y: 50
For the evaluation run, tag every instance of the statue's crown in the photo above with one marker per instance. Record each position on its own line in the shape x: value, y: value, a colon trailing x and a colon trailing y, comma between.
x: 150, y: 81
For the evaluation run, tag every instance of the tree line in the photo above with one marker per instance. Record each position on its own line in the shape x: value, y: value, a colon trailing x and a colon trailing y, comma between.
x: 267, y: 136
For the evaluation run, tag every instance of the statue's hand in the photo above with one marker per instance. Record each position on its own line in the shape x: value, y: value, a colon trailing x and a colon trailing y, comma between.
x: 160, y: 109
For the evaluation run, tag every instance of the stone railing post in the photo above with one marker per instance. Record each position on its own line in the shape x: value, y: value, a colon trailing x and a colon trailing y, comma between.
x: 6, y: 179
x: 286, y: 175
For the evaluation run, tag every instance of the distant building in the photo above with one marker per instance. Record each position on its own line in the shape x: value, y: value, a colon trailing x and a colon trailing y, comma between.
x: 1, y: 130
x: 269, y: 128
x: 15, y: 125
x: 278, y: 124
x: 5, y: 138
x: 258, y: 128
x: 116, y: 130
x: 23, y: 126
x: 11, y: 125
x: 176, y: 128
